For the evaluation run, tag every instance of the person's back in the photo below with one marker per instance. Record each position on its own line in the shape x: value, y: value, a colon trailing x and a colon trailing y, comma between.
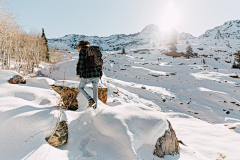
x: 87, y: 72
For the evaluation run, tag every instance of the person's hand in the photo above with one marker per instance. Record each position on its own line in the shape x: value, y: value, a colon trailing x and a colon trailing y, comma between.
x: 78, y: 76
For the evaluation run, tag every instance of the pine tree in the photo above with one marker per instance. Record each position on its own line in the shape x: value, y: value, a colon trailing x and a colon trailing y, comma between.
x: 234, y: 64
x: 189, y: 51
x: 187, y: 42
x: 123, y: 50
x: 46, y: 44
x: 173, y: 48
x: 237, y: 57
x: 204, y: 61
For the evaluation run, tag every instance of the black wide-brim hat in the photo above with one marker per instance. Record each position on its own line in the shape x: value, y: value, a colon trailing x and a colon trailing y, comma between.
x: 82, y: 44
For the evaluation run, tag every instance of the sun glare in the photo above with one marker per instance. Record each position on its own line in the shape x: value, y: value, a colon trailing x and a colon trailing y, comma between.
x: 169, y: 17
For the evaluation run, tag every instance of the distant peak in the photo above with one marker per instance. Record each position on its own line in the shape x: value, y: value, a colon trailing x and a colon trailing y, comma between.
x: 150, y: 28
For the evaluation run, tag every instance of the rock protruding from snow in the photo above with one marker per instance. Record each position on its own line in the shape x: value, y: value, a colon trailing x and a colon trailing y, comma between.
x: 17, y: 79
x: 167, y: 144
x: 68, y: 96
x: 60, y: 136
x: 102, y: 94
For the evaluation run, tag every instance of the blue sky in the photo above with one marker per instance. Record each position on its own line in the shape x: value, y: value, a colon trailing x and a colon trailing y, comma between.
x: 108, y: 17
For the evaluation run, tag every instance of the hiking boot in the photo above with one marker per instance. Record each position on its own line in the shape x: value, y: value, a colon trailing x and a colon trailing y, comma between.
x: 91, y: 102
x: 94, y: 107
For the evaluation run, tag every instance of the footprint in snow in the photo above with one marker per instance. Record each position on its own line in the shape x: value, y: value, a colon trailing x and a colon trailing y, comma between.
x: 44, y: 102
x: 82, y: 146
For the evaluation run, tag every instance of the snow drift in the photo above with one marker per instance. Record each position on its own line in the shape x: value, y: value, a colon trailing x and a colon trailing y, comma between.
x: 27, y: 115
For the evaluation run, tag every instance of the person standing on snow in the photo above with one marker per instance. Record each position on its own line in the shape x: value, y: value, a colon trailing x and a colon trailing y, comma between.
x: 89, y: 69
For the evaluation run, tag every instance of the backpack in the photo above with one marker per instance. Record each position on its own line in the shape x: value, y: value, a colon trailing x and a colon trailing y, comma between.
x: 93, y: 58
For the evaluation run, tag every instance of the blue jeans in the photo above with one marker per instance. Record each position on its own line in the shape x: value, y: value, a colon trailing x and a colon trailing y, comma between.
x: 84, y: 82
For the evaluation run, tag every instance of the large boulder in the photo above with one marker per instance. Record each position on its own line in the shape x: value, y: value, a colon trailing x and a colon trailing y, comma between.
x: 60, y: 136
x: 68, y: 96
x: 16, y: 80
x: 167, y: 144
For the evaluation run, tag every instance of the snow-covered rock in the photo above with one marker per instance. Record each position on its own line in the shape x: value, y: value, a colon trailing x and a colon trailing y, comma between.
x: 16, y: 80
x: 167, y: 144
x: 60, y: 136
x: 68, y: 96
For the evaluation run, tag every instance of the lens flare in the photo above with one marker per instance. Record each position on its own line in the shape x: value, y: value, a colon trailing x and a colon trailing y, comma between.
x: 170, y: 16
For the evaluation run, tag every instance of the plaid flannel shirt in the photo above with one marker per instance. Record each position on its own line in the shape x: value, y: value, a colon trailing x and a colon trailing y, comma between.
x: 83, y: 71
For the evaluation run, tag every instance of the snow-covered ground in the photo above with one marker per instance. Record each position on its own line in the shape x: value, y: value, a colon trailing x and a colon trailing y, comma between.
x: 151, y: 87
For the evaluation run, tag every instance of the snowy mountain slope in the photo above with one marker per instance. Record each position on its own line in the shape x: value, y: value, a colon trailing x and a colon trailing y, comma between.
x: 114, y: 42
x: 230, y: 30
x: 144, y: 86
x: 201, y: 97
x: 148, y: 37
x: 143, y: 66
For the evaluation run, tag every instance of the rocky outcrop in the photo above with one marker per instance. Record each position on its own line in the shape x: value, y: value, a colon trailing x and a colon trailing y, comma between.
x: 60, y: 136
x: 102, y: 94
x: 167, y: 144
x: 68, y: 97
x: 16, y: 80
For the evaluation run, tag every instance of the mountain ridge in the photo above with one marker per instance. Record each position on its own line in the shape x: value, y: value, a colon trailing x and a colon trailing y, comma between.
x: 230, y: 29
x: 149, y: 36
